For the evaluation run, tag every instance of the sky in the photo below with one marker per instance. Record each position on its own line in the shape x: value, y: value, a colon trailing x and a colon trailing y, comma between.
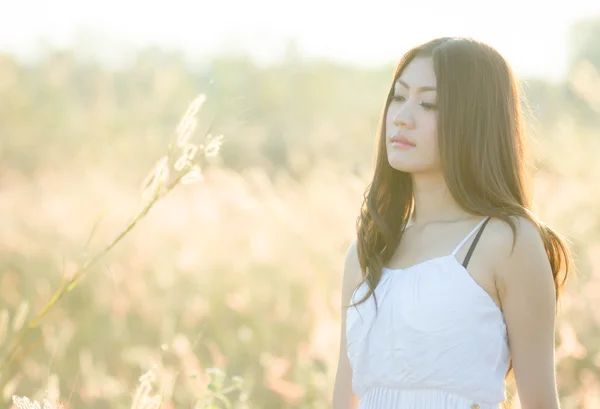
x: 532, y: 34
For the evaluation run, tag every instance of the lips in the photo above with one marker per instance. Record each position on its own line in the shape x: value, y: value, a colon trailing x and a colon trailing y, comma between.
x: 402, y: 140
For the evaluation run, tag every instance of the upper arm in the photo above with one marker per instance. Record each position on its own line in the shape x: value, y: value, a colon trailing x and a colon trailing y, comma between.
x: 528, y: 297
x: 343, y: 396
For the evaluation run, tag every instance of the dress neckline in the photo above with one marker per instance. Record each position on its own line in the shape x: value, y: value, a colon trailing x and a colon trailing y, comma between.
x: 453, y: 259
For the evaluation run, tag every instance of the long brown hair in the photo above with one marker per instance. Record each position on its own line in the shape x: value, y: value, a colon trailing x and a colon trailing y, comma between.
x: 482, y: 152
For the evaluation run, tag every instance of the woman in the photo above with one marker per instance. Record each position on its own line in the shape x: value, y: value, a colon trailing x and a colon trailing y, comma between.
x: 450, y: 267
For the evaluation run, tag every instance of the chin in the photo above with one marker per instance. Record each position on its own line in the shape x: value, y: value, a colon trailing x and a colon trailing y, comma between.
x: 406, y: 169
x: 413, y: 160
x: 403, y: 164
x: 409, y: 165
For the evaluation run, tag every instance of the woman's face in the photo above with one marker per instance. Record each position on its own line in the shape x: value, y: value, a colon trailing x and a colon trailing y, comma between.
x: 411, y: 120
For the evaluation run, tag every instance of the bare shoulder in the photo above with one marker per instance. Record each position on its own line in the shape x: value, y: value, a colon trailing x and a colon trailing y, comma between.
x: 527, y: 234
x: 527, y: 262
x: 527, y: 240
x: 352, y: 272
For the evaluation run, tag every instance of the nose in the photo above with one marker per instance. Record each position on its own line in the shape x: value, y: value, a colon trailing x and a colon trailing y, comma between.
x: 404, y: 118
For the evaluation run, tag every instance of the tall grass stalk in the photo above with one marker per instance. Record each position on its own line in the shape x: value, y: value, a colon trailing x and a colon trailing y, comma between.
x: 181, y: 165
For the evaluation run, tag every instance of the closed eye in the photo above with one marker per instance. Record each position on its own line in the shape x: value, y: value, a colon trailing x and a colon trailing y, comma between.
x: 427, y: 106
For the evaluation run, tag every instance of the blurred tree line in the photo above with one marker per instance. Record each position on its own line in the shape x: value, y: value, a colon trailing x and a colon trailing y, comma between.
x: 283, y: 116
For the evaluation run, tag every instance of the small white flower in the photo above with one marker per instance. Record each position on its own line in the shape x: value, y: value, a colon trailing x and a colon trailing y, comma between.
x: 181, y: 163
x: 214, y: 145
x: 25, y: 403
x: 188, y: 122
x: 185, y: 131
x: 190, y: 151
x: 196, y: 104
x: 216, y: 372
x: 238, y: 381
x: 149, y: 376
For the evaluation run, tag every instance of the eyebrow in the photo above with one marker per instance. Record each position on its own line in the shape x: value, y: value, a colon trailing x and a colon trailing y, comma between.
x: 422, y: 89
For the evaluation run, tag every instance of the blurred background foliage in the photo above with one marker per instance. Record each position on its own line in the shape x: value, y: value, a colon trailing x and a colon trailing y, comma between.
x: 241, y: 272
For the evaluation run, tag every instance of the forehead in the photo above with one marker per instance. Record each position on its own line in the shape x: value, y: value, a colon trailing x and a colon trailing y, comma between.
x: 418, y: 73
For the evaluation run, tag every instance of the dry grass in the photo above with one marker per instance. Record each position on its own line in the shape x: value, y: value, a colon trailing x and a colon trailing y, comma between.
x: 240, y: 273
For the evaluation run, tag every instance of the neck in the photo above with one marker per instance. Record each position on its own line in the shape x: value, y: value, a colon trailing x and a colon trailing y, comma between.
x: 433, y: 201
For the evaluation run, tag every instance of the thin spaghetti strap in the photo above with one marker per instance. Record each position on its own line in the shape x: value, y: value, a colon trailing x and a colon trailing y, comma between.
x: 470, y: 252
x: 462, y: 243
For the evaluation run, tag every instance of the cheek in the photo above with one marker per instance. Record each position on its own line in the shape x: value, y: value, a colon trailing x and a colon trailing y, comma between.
x: 389, y: 121
x: 428, y: 129
x: 430, y: 137
x: 430, y: 123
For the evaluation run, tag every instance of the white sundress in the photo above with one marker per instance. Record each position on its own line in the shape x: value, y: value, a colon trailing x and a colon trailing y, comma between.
x: 438, y: 342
